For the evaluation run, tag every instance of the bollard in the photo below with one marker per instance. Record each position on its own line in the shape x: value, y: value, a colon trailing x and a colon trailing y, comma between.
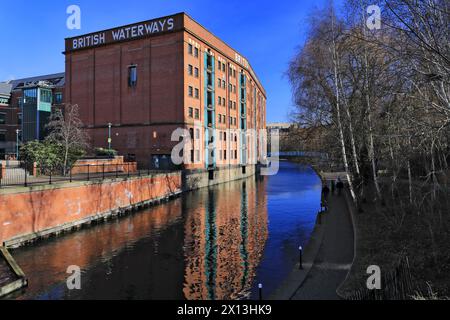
x: 300, y: 258
x: 260, y: 286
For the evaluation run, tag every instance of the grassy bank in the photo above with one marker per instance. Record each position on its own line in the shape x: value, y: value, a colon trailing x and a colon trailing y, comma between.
x: 386, y: 230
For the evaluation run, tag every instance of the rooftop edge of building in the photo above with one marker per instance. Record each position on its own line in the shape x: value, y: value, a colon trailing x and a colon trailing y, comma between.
x: 54, y: 76
x: 177, y: 28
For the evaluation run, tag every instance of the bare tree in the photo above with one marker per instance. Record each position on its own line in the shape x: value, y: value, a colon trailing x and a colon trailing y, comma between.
x: 66, y: 129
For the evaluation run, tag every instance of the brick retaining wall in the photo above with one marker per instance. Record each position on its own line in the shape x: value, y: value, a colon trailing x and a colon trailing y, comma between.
x: 29, y: 213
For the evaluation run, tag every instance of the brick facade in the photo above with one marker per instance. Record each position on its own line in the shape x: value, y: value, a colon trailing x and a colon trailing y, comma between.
x: 144, y: 115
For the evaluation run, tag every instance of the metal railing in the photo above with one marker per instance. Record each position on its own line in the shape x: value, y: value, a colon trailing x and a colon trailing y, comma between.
x: 396, y: 285
x: 29, y: 175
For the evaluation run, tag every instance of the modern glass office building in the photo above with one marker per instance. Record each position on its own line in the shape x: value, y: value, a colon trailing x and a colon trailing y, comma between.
x: 25, y: 107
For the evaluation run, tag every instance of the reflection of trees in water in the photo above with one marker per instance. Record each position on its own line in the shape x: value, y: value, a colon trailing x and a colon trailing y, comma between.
x: 225, y: 239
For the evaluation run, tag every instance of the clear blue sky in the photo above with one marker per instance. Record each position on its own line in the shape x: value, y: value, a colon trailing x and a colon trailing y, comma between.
x: 265, y: 32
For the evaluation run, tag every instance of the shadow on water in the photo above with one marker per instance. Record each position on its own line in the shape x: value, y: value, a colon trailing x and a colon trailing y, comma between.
x: 216, y: 243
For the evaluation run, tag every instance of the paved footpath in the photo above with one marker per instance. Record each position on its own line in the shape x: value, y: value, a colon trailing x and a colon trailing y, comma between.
x: 335, y: 255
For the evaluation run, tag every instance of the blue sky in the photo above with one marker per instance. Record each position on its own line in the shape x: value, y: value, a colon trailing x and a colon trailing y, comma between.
x: 266, y: 32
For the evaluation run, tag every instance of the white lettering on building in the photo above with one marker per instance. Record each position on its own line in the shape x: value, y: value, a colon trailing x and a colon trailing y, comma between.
x: 90, y: 40
x: 126, y: 33
x: 141, y: 30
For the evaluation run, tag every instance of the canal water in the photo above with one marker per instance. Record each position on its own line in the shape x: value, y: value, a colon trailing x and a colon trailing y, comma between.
x: 216, y: 243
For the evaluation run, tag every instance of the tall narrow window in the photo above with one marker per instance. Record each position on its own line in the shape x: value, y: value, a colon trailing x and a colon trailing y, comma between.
x: 58, y: 98
x: 190, y: 49
x: 132, y: 76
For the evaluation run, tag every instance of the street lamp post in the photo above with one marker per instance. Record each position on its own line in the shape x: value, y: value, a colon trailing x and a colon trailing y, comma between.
x: 17, y: 144
x: 109, y: 135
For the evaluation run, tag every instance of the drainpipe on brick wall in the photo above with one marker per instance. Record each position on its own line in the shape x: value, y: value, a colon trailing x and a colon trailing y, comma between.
x: 2, y: 170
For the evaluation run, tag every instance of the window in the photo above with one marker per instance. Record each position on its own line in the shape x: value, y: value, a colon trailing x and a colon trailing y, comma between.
x: 219, y: 65
x: 219, y: 82
x: 220, y: 133
x: 230, y: 71
x: 58, y: 98
x: 235, y: 154
x: 190, y: 49
x: 2, y: 136
x: 230, y: 104
x: 191, y: 91
x: 224, y: 85
x: 190, y: 70
x: 197, y: 134
x: 19, y: 118
x: 2, y: 118
x: 234, y: 88
x: 197, y: 155
x: 196, y: 52
x: 191, y: 112
x: 197, y: 114
x: 46, y: 96
x: 196, y: 72
x: 196, y: 93
x: 234, y: 105
x: 225, y: 154
x: 234, y: 73
x: 132, y: 76
x: 224, y: 136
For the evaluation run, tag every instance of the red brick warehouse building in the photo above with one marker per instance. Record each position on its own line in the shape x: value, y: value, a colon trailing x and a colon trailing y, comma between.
x: 150, y: 78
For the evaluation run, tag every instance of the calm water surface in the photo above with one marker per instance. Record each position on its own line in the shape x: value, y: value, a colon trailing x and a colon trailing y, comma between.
x: 208, y: 244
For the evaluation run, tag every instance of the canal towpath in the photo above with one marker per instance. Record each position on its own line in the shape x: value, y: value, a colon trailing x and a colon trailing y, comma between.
x: 327, y: 258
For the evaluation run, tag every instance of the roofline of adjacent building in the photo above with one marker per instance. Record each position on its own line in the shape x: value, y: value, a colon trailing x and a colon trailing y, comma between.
x: 36, y: 78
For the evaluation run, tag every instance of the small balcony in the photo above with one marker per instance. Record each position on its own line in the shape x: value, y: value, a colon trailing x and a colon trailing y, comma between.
x: 209, y: 63
x: 209, y: 120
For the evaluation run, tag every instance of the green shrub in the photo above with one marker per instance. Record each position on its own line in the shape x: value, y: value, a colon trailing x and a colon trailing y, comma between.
x: 101, y: 152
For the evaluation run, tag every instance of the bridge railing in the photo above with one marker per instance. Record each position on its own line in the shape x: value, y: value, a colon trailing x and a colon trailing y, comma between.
x: 306, y: 154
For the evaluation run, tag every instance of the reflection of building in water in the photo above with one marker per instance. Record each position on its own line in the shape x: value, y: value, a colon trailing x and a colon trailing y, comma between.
x: 85, y: 249
x: 224, y: 241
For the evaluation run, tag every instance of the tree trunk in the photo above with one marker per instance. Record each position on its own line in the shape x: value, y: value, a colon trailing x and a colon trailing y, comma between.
x: 338, y: 115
